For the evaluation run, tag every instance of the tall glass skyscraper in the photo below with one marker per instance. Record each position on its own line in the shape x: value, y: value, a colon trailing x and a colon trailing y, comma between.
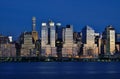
x: 52, y: 33
x: 59, y: 31
x: 88, y: 35
x: 48, y: 39
x: 69, y: 49
x: 109, y: 37
x: 69, y: 35
x: 90, y: 49
x: 34, y: 32
x: 44, y: 35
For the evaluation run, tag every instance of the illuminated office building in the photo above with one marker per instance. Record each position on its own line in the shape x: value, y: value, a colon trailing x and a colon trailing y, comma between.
x: 27, y: 45
x: 90, y: 49
x: 48, y: 38
x: 117, y: 42
x: 58, y: 31
x: 34, y: 32
x: 117, y: 37
x: 109, y: 39
x: 7, y: 48
x: 69, y: 48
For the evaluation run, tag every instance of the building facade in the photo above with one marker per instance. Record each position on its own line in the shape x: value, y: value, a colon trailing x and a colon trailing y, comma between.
x: 27, y: 45
x: 7, y: 48
x: 34, y: 32
x: 117, y: 43
x: 109, y: 38
x: 90, y: 49
x: 48, y: 38
x: 69, y: 48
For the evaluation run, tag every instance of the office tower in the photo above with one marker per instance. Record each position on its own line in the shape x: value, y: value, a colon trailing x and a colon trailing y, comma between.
x: 52, y: 38
x: 34, y: 32
x: 98, y: 41
x: 44, y: 35
x: 52, y: 33
x: 69, y: 48
x: 117, y: 37
x: 27, y: 46
x: 7, y: 49
x: 109, y: 37
x: 75, y: 36
x: 117, y: 43
x: 38, y: 47
x: 90, y: 49
x: 59, y: 39
x: 78, y: 41
x: 69, y: 35
x: 59, y: 31
x: 48, y: 37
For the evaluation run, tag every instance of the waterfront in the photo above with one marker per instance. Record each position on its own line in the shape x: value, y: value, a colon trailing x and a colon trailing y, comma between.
x: 60, y: 70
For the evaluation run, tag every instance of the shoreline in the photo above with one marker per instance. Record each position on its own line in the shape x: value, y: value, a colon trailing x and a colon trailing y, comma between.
x: 55, y: 59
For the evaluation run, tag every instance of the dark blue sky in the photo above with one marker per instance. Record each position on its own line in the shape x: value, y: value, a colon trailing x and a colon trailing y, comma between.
x: 15, y: 15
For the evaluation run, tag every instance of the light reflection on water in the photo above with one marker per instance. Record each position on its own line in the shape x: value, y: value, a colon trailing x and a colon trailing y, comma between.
x: 60, y: 70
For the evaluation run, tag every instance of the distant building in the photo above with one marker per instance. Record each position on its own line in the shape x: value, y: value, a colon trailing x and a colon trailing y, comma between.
x: 7, y: 49
x: 117, y: 37
x: 117, y: 43
x: 69, y: 48
x: 58, y: 31
x: 90, y: 49
x: 27, y: 46
x: 117, y: 47
x: 4, y: 39
x: 98, y: 41
x: 48, y: 38
x: 109, y: 40
x: 75, y: 36
x: 34, y: 32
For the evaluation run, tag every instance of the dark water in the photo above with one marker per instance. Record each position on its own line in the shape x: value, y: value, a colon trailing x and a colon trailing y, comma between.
x: 60, y: 70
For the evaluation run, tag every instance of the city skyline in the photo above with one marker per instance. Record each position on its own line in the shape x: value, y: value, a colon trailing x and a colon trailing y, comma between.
x: 96, y: 13
x: 61, y: 39
x: 84, y: 44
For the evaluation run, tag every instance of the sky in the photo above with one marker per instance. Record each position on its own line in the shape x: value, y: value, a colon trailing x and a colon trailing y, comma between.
x: 15, y: 15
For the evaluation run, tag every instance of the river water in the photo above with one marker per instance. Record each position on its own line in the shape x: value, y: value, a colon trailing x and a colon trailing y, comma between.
x: 60, y: 70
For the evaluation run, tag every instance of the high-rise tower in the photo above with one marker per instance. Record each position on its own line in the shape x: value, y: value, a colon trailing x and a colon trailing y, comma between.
x: 33, y: 23
x: 90, y: 49
x: 34, y: 32
x: 48, y: 37
x: 52, y: 33
x: 109, y: 37
x: 69, y: 48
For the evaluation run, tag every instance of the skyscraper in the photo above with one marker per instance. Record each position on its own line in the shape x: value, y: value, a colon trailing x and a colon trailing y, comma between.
x: 33, y: 23
x: 27, y: 46
x: 90, y: 49
x: 34, y: 32
x: 48, y: 39
x: 52, y: 33
x: 117, y: 42
x: 109, y: 37
x: 44, y: 35
x: 7, y: 48
x: 117, y: 37
x: 69, y: 48
x: 58, y: 31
